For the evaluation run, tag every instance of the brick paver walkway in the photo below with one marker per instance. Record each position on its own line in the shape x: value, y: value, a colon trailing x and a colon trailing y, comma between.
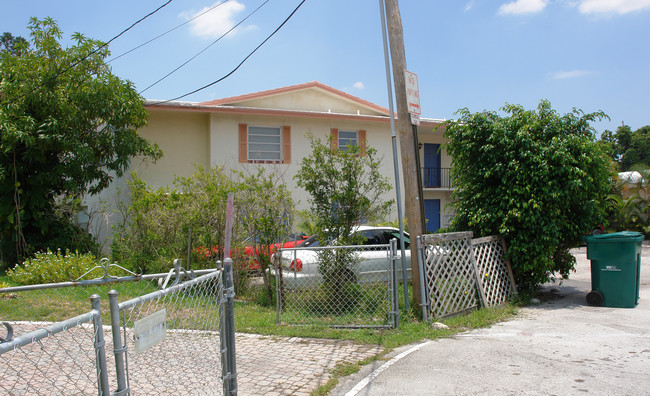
x: 269, y: 365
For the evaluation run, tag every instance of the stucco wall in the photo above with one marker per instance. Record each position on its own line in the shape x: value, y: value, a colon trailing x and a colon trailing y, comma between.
x: 224, y: 144
x: 184, y: 139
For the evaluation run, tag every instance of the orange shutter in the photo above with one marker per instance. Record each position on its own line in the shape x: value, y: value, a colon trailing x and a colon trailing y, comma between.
x: 243, y: 143
x: 362, y: 141
x: 286, y: 144
x: 334, y: 143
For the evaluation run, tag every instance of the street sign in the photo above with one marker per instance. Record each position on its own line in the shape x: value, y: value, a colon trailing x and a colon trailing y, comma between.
x: 412, y: 92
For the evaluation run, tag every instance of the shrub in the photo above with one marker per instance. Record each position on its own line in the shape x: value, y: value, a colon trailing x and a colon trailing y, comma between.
x: 535, y: 177
x: 51, y: 267
x: 159, y: 221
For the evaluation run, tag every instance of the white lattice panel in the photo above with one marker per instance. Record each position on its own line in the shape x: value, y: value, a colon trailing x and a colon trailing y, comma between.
x: 450, y: 276
x: 495, y: 274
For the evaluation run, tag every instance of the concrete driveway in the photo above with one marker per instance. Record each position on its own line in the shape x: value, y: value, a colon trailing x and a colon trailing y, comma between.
x: 559, y: 347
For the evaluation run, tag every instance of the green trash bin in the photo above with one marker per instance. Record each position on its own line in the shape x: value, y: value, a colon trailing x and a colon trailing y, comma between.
x: 615, y: 269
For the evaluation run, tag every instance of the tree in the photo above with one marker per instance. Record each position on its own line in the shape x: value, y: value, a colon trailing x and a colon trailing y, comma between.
x: 345, y: 188
x: 627, y: 148
x: 67, y: 127
x: 267, y: 214
x: 537, y: 178
x: 13, y: 45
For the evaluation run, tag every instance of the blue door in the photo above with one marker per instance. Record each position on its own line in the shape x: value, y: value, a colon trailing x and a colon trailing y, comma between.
x: 432, y: 214
x: 431, y: 165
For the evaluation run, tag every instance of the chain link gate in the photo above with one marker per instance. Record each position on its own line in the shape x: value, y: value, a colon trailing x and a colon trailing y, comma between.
x: 338, y: 286
x: 68, y: 357
x: 77, y: 344
x: 169, y: 341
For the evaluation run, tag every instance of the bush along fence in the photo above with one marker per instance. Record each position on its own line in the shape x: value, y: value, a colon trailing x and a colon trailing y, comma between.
x: 176, y: 340
x: 458, y: 273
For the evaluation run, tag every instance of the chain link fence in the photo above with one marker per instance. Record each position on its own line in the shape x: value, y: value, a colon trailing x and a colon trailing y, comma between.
x: 337, y: 286
x: 63, y: 358
x: 157, y: 336
x: 169, y: 339
x: 459, y: 273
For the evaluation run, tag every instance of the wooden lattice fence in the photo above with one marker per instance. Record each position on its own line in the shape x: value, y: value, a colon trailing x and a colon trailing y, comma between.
x: 459, y: 273
x: 496, y: 278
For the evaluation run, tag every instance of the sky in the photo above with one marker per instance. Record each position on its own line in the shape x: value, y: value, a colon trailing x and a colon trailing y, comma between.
x: 592, y: 55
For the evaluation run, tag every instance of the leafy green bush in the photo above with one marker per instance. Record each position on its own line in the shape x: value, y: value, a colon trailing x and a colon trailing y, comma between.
x: 535, y: 177
x: 159, y: 221
x: 51, y: 267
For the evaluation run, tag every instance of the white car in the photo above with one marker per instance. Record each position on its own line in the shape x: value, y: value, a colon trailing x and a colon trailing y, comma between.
x: 300, y: 265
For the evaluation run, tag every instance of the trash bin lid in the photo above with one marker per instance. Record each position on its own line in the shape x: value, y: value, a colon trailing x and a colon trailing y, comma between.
x: 622, y: 236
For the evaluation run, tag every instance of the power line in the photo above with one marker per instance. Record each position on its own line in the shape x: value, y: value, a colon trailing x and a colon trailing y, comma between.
x: 204, y: 49
x: 165, y: 33
x: 239, y: 65
x: 85, y: 57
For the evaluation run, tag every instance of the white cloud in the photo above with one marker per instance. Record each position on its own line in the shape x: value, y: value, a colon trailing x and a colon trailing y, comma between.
x: 612, y: 6
x: 358, y: 85
x: 216, y: 22
x: 562, y: 75
x: 522, y: 7
x: 469, y: 5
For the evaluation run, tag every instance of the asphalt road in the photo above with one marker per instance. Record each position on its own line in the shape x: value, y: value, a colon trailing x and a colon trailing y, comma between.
x: 560, y: 347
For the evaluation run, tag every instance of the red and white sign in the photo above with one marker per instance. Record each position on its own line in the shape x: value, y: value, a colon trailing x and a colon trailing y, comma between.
x: 412, y: 92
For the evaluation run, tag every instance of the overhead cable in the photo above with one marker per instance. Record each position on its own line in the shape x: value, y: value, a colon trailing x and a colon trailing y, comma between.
x: 239, y: 65
x: 168, y: 31
x: 204, y: 49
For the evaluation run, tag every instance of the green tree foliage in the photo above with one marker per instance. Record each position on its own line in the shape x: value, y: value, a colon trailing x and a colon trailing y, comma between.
x: 13, y: 45
x: 67, y: 127
x: 345, y: 188
x: 267, y: 215
x: 158, y: 222
x: 628, y: 149
x: 536, y: 177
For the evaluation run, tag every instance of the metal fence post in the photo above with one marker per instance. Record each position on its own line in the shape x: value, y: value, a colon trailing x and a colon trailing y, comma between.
x: 395, y: 282
x: 100, y: 350
x: 424, y: 295
x: 228, y: 327
x: 118, y: 348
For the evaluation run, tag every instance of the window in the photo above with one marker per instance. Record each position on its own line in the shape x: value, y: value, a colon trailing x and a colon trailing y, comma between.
x: 263, y: 144
x: 348, y: 138
x: 342, y: 139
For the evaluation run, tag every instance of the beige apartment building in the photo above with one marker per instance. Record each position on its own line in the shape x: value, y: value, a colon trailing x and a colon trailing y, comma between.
x: 271, y: 129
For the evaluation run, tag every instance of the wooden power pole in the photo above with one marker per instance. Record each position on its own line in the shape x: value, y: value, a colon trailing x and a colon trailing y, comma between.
x: 408, y: 150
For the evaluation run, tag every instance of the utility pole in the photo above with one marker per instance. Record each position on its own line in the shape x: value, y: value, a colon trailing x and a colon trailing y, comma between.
x: 408, y: 148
